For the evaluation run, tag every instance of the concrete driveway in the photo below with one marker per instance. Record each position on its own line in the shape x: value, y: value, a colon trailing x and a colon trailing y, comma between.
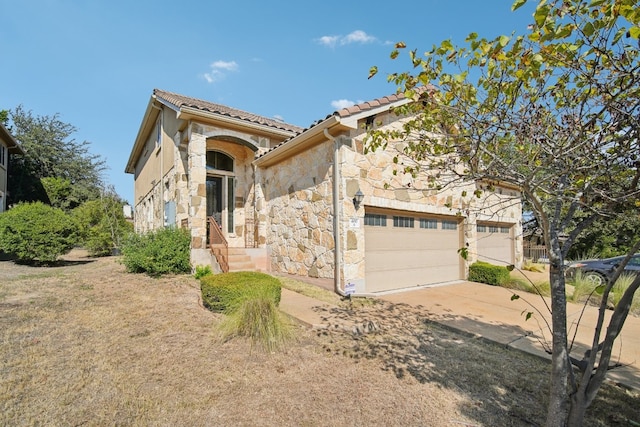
x: 489, y: 312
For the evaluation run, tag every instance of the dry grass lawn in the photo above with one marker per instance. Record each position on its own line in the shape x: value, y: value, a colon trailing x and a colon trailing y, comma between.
x: 86, y: 343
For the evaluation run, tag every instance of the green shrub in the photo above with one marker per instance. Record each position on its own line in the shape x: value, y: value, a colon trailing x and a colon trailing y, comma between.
x: 103, y: 225
x: 164, y: 251
x: 484, y: 272
x: 202, y: 270
x: 225, y: 292
x: 35, y: 231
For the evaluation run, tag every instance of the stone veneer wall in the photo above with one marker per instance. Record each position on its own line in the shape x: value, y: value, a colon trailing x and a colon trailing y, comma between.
x: 373, y: 174
x: 296, y: 213
x: 202, y: 138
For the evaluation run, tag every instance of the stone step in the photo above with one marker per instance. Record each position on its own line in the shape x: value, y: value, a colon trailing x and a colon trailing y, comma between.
x: 239, y: 260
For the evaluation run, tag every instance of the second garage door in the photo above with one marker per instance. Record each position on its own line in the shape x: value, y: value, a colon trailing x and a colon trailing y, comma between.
x: 495, y: 243
x: 404, y: 250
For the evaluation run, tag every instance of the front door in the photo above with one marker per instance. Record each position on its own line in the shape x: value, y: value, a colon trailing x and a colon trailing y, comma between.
x: 214, y: 198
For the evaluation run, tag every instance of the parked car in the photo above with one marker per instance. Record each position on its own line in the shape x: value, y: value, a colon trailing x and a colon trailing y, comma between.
x: 598, y: 271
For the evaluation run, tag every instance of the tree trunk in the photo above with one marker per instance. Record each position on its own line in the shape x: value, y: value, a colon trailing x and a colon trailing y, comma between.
x: 558, y: 409
x: 577, y: 412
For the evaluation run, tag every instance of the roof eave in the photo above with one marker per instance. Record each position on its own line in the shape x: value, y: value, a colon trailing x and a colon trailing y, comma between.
x: 373, y: 111
x: 189, y: 113
x: 148, y: 120
x: 12, y: 144
x: 300, y: 142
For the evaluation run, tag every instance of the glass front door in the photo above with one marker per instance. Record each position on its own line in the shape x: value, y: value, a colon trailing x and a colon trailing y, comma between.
x: 214, y: 198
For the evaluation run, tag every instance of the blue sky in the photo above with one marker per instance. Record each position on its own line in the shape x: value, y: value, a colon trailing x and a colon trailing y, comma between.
x: 96, y: 62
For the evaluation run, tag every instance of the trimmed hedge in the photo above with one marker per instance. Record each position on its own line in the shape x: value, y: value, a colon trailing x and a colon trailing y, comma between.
x: 483, y: 272
x: 227, y: 291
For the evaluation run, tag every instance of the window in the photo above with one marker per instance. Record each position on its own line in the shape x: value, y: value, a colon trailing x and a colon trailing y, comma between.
x: 219, y: 161
x: 375, y: 220
x: 493, y: 229
x: 403, y: 221
x: 159, y: 132
x: 482, y: 228
x: 3, y: 155
x: 504, y: 230
x: 449, y: 225
x: 430, y: 224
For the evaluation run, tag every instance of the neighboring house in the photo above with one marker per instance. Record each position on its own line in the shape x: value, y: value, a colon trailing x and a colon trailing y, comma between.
x: 8, y: 146
x: 273, y: 188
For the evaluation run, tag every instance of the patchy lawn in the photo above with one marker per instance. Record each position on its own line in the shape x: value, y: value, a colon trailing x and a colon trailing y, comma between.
x: 88, y: 344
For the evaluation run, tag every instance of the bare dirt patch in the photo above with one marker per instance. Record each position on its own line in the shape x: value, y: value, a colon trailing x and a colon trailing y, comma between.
x: 89, y: 344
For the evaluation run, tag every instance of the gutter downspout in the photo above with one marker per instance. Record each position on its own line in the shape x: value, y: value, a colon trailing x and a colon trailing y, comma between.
x: 336, y: 215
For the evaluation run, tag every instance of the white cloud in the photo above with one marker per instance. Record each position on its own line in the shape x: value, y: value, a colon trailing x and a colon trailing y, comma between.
x: 357, y: 36
x: 225, y: 65
x: 218, y: 69
x: 342, y: 103
x: 328, y: 40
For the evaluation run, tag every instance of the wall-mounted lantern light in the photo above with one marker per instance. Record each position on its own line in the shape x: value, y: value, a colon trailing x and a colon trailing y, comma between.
x: 357, y: 199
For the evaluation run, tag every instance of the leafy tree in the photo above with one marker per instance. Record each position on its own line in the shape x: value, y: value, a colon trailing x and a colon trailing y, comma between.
x: 50, y: 152
x: 555, y: 112
x: 102, y: 223
x: 37, y: 232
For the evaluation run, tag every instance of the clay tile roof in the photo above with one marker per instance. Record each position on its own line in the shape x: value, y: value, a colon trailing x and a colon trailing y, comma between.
x: 185, y: 101
x: 369, y: 105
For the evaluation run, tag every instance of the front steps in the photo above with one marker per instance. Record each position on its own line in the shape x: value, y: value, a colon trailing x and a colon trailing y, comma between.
x: 240, y: 261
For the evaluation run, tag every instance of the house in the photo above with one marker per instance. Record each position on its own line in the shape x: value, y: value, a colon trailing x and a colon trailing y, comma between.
x: 262, y: 194
x: 8, y: 146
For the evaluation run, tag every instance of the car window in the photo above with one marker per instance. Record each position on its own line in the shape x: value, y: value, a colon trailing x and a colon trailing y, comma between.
x: 635, y: 261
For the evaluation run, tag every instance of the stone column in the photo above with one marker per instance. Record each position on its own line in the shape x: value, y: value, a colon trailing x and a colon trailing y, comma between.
x: 197, y: 195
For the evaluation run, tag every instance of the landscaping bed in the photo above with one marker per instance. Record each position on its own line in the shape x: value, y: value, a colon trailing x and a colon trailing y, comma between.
x: 86, y: 343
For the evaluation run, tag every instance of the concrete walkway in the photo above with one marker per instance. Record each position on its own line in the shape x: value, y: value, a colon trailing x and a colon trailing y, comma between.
x: 489, y: 312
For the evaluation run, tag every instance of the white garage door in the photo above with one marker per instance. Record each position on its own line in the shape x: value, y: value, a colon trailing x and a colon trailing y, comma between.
x: 495, y: 243
x: 404, y: 250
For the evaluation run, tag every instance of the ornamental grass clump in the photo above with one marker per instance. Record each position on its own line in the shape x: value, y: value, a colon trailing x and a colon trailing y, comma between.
x: 249, y: 301
x: 258, y: 318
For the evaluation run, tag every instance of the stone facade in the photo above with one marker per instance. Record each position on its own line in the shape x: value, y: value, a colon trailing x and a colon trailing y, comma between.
x: 296, y: 213
x: 281, y: 195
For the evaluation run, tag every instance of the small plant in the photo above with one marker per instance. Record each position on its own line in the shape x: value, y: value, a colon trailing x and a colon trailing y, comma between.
x: 165, y: 251
x: 37, y: 232
x: 490, y: 274
x: 202, y: 270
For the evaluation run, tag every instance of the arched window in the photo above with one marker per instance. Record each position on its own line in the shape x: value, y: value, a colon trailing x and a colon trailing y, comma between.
x: 219, y: 161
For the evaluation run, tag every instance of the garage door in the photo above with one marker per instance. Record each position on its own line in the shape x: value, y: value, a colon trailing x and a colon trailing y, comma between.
x: 404, y: 250
x: 495, y: 243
